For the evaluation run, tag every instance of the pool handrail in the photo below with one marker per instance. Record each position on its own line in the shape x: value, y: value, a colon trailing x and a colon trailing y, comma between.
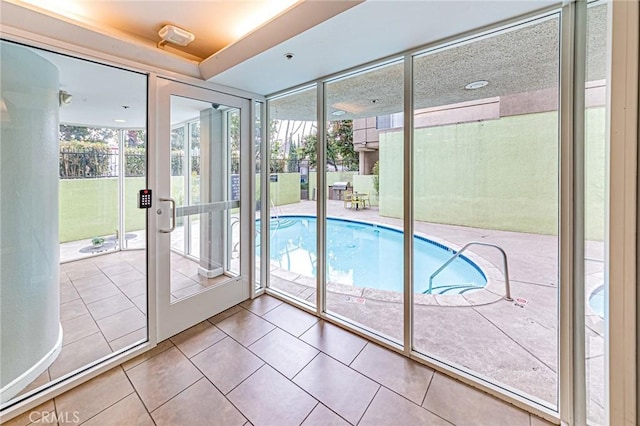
x: 507, y: 285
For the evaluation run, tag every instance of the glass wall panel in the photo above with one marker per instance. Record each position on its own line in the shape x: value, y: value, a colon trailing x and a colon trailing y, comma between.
x: 292, y: 194
x: 259, y: 108
x: 364, y: 243
x: 73, y: 159
x: 596, y: 182
x: 205, y: 161
x: 194, y: 185
x: 233, y: 189
x: 134, y: 142
x: 486, y: 172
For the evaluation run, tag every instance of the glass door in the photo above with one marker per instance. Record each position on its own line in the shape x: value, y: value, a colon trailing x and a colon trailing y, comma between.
x: 198, y: 203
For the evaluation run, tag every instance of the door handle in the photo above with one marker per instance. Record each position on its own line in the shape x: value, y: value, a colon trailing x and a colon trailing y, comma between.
x: 173, y: 215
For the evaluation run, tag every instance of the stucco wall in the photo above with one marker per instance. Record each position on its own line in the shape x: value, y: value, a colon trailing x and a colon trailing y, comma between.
x: 364, y: 184
x: 89, y: 207
x: 495, y: 174
x: 286, y: 190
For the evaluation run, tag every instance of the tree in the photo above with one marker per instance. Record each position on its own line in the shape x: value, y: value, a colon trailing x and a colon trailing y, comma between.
x: 340, y: 144
x: 87, y: 134
x: 340, y: 148
x: 135, y: 138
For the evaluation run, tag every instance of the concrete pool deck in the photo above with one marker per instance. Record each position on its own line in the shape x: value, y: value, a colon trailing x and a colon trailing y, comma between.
x: 514, y: 343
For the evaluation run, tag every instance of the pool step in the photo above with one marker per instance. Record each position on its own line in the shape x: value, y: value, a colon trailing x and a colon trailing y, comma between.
x: 453, y: 288
x: 280, y: 223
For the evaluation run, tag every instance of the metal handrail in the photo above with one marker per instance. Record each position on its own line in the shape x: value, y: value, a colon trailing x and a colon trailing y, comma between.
x: 507, y: 286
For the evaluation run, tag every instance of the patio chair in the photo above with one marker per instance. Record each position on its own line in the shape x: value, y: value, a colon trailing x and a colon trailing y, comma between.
x: 363, y: 200
x: 347, y: 197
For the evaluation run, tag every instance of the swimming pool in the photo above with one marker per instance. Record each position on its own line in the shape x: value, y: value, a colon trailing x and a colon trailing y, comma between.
x: 368, y: 255
x: 596, y: 300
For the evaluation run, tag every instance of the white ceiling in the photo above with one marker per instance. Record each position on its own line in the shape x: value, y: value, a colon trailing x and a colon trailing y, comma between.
x: 215, y: 23
x: 364, y: 33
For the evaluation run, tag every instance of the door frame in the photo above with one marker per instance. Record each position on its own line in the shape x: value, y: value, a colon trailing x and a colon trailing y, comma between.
x: 173, y: 318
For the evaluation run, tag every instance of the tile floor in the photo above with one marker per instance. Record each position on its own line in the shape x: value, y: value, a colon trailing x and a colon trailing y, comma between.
x: 103, y: 302
x: 267, y: 363
x: 102, y: 309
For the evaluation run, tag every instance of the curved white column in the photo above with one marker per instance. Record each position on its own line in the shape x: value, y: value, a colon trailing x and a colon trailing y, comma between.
x: 30, y: 332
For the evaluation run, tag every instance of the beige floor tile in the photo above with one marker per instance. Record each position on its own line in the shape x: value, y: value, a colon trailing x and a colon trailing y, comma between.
x: 33, y: 416
x: 227, y: 364
x: 322, y: 416
x: 76, y: 328
x: 160, y: 347
x: 117, y: 268
x: 200, y: 404
x: 334, y: 341
x: 398, y: 373
x: 128, y: 411
x: 78, y: 270
x: 537, y: 421
x: 268, y: 398
x: 162, y: 377
x: 225, y: 314
x: 188, y: 291
x: 134, y: 288
x: 261, y: 305
x: 89, y: 282
x: 93, y: 294
x: 209, y: 282
x: 122, y: 323
x: 180, y: 281
x: 284, y: 352
x: 290, y: 319
x: 389, y: 408
x: 68, y: 293
x: 126, y: 277
x: 92, y: 397
x: 340, y: 388
x: 461, y: 404
x: 245, y: 327
x: 79, y: 354
x: 137, y: 336
x: 41, y: 380
x: 197, y: 338
x: 109, y: 306
x: 72, y: 309
x: 141, y: 302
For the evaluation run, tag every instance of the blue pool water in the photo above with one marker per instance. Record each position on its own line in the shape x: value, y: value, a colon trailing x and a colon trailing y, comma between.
x: 366, y: 255
x: 596, y: 300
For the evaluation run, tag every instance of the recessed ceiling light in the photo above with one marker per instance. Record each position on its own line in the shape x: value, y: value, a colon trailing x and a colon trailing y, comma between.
x: 289, y: 56
x: 375, y: 101
x: 338, y: 112
x: 476, y: 84
x: 120, y: 120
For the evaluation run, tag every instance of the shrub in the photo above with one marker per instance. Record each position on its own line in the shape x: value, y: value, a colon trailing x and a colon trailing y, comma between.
x: 376, y: 177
